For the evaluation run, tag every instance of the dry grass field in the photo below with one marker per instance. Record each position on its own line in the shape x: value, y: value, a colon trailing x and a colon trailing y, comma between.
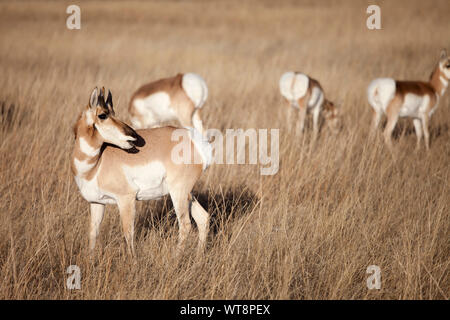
x: 308, y: 232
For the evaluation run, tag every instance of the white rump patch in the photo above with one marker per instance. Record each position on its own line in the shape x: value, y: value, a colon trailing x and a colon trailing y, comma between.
x: 202, y: 145
x: 153, y: 110
x: 380, y: 92
x: 195, y: 88
x: 293, y: 85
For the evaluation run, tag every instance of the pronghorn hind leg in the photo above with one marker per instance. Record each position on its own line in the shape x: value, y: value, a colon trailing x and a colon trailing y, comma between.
x: 376, y: 118
x: 127, y: 209
x: 186, y: 115
x: 418, y: 127
x: 97, y: 211
x: 180, y: 200
x: 289, y: 115
x: 201, y: 218
x: 392, y: 115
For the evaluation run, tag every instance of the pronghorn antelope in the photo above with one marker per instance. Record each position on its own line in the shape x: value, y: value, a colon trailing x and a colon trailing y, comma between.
x: 177, y: 98
x: 414, y: 99
x: 113, y: 164
x: 306, y: 94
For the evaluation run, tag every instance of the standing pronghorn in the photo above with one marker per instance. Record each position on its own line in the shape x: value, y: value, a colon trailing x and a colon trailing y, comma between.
x: 414, y: 99
x: 305, y: 93
x: 113, y: 164
x: 177, y: 98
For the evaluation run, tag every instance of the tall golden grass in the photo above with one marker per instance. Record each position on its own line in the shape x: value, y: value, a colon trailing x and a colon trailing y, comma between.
x: 308, y: 232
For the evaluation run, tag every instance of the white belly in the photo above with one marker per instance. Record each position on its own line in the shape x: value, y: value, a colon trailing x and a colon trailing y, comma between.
x: 153, y: 110
x: 414, y: 105
x: 148, y: 180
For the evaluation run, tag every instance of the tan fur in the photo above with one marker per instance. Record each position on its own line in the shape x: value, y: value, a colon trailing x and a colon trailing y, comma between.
x: 433, y: 89
x: 158, y: 147
x: 150, y: 145
x: 180, y: 102
x: 329, y: 110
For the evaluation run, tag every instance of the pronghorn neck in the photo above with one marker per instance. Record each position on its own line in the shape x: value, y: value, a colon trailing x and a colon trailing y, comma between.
x: 86, y: 153
x: 438, y: 80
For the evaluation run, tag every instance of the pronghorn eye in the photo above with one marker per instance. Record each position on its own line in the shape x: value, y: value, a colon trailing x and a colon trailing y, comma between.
x: 102, y: 116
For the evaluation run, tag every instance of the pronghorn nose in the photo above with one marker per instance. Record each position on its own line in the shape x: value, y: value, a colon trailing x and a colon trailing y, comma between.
x: 131, y: 133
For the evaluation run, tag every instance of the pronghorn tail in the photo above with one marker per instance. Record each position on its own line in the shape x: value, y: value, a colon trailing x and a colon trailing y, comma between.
x: 380, y: 92
x: 202, y: 145
x: 195, y: 88
x: 293, y: 86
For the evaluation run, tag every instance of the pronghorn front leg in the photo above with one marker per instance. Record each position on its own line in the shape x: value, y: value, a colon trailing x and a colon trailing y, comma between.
x: 316, y: 114
x: 97, y: 211
x: 201, y: 218
x: 418, y: 127
x: 127, y: 209
x: 426, y: 133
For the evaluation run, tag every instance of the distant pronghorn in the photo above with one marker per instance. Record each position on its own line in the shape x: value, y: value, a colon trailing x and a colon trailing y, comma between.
x: 177, y: 98
x: 305, y: 93
x: 414, y: 99
x: 113, y: 164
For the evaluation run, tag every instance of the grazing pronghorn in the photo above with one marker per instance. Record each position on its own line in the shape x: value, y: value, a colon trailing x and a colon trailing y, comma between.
x: 177, y: 98
x: 113, y: 164
x: 306, y: 94
x: 414, y: 99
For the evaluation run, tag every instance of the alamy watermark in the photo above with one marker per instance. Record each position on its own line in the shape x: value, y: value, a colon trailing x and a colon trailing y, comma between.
x: 74, y: 279
x: 374, y: 20
x: 229, y: 148
x: 74, y: 20
x: 374, y: 281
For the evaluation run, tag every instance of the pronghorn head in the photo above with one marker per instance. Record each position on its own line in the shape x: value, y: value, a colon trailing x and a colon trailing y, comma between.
x: 99, y: 122
x: 332, y: 117
x: 444, y: 63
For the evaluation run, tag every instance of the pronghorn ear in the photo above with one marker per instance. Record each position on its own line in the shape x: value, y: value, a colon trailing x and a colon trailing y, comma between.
x: 94, y: 98
x: 109, y: 101
x: 444, y: 54
x: 101, y: 98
